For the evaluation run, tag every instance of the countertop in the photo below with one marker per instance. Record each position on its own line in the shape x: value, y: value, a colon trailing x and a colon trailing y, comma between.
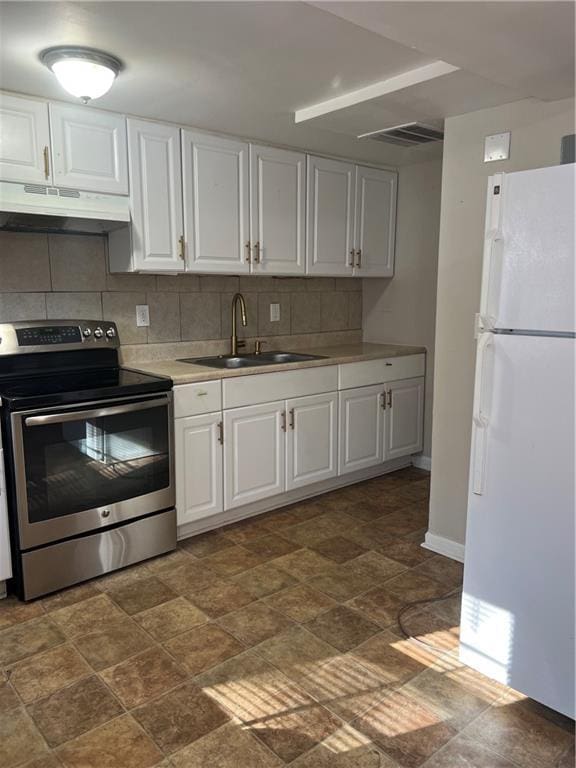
x: 187, y: 373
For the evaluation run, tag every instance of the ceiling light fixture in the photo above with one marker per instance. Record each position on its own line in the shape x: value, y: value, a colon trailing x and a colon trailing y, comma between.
x: 84, y: 72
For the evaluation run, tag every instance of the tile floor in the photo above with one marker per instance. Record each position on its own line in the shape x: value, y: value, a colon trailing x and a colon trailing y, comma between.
x: 271, y: 642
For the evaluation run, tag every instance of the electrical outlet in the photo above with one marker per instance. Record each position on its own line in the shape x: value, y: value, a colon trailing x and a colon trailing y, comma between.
x: 142, y: 315
x: 274, y: 313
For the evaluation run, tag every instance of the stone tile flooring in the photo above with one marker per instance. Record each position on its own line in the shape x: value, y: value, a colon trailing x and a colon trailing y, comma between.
x: 271, y: 642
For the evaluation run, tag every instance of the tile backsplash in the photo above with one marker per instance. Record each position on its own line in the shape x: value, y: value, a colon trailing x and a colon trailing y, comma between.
x: 66, y: 276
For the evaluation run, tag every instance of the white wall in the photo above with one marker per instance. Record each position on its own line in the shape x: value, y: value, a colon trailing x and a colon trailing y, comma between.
x: 402, y: 310
x: 537, y: 128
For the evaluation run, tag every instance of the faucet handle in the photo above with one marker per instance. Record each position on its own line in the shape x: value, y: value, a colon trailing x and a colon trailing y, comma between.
x: 258, y: 346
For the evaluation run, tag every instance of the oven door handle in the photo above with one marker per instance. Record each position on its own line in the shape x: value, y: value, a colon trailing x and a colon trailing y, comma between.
x: 58, y: 418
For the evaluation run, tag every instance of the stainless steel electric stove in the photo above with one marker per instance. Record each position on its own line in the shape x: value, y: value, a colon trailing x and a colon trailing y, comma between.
x: 88, y: 455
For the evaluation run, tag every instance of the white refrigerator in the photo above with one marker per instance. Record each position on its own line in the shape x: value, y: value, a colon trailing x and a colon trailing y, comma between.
x: 518, y: 597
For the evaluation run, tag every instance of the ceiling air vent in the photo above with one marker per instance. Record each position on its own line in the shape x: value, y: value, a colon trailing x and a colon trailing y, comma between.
x: 407, y: 135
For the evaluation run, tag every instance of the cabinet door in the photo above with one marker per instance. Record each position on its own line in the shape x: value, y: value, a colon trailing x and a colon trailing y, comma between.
x: 375, y: 224
x: 254, y: 453
x: 311, y: 444
x: 216, y: 203
x: 89, y: 149
x: 404, y: 418
x: 24, y: 140
x: 199, y: 481
x: 330, y: 220
x: 156, y: 197
x: 361, y: 428
x: 277, y: 211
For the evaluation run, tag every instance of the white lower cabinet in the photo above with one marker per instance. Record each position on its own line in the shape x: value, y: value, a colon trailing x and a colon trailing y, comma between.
x: 311, y: 439
x: 361, y: 428
x: 198, y: 444
x: 239, y: 455
x: 404, y: 418
x: 254, y: 453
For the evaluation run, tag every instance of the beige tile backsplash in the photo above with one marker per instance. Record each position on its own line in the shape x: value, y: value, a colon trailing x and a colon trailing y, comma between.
x: 66, y: 276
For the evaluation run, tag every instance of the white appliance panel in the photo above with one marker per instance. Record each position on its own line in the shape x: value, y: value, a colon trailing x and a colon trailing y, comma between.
x: 518, y: 600
x: 529, y: 266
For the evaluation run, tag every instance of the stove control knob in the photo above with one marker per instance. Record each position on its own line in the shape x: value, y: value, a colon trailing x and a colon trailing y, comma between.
x: 110, y: 333
x: 87, y: 332
x: 98, y: 333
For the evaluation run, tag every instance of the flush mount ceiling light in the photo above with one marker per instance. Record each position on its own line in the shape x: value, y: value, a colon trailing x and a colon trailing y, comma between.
x: 84, y: 72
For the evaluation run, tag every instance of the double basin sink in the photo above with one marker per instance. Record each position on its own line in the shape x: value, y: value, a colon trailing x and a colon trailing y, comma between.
x: 248, y: 361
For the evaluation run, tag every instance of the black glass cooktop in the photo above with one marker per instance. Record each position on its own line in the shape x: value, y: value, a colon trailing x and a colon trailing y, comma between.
x: 77, y: 386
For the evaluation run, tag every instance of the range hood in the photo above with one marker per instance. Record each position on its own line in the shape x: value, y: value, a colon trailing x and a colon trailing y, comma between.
x: 40, y: 208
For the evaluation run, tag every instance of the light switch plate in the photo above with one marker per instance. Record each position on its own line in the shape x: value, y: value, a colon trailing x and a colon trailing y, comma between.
x: 142, y: 315
x: 497, y: 147
x: 274, y: 313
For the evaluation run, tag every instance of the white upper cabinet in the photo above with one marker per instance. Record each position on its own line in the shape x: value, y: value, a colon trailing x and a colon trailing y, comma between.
x: 404, y: 418
x: 216, y: 203
x: 89, y: 149
x: 277, y: 211
x: 156, y: 197
x: 375, y: 222
x: 330, y: 221
x: 24, y: 140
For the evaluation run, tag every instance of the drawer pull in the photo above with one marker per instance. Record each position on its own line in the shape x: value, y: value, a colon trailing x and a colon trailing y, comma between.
x: 202, y: 393
x: 389, y: 364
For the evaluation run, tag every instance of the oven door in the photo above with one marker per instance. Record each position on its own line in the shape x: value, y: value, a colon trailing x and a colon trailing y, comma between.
x: 89, y: 467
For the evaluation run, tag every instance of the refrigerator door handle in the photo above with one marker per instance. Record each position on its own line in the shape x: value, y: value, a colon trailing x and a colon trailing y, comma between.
x: 492, y: 279
x: 481, y: 414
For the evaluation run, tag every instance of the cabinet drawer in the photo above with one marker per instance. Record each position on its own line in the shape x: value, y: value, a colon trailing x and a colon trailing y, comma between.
x: 380, y: 371
x: 193, y: 399
x: 265, y: 387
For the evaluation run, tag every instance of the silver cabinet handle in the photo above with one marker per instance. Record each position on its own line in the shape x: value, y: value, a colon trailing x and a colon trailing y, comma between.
x: 359, y: 257
x: 283, y: 423
x: 351, y: 263
x: 383, y: 401
x: 389, y: 398
x: 257, y: 257
x: 58, y: 418
x: 221, y: 432
x: 248, y: 248
x: 292, y: 418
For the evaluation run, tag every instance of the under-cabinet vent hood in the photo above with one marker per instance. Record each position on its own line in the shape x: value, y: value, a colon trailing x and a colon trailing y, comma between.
x: 407, y: 135
x: 36, y: 207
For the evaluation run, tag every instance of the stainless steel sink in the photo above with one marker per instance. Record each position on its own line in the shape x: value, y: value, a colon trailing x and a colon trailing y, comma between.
x: 249, y: 361
x: 289, y: 357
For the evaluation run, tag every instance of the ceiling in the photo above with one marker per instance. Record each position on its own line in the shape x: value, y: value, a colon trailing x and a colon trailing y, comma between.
x: 245, y: 68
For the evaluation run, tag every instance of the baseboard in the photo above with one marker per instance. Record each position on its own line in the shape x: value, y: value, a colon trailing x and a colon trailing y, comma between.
x: 422, y: 462
x: 290, y: 497
x: 443, y: 546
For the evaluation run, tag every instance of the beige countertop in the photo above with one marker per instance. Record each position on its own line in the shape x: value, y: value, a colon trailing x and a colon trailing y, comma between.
x: 187, y: 373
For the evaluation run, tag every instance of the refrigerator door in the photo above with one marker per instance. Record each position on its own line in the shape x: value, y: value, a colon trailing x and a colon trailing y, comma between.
x: 528, y: 273
x: 518, y: 598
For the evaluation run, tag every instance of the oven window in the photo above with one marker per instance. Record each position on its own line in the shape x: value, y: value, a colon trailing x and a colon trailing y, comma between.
x: 93, y: 462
